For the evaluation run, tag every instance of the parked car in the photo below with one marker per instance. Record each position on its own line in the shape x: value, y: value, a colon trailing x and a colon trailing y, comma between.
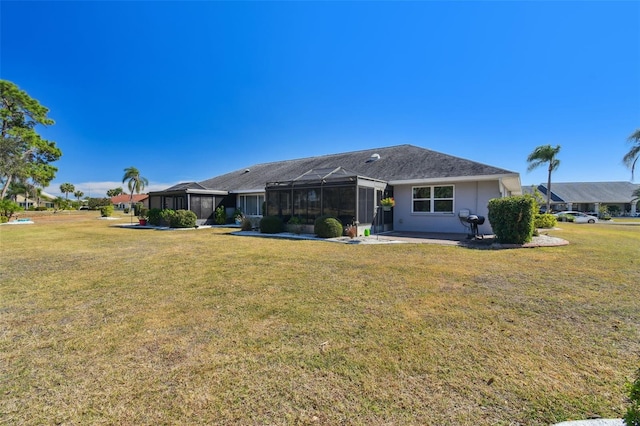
x: 576, y: 217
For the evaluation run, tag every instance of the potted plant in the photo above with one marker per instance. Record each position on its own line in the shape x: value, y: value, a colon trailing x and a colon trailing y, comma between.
x: 143, y: 216
x: 387, y: 203
x: 238, y: 216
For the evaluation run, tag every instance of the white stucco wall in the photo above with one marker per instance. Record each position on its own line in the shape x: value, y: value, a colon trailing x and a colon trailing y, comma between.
x: 473, y: 196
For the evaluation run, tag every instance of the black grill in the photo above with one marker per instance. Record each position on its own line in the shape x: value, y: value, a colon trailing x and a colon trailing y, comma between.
x: 474, y: 221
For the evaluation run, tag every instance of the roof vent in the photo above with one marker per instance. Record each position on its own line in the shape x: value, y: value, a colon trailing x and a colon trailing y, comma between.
x: 247, y: 170
x: 374, y: 157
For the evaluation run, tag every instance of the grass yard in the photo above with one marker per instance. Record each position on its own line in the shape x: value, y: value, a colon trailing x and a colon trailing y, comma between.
x: 103, y: 325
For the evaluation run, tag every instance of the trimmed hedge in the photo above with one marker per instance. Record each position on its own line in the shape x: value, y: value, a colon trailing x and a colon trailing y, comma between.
x: 154, y: 216
x: 271, y: 225
x: 183, y: 219
x: 545, y: 221
x: 512, y: 218
x: 327, y: 227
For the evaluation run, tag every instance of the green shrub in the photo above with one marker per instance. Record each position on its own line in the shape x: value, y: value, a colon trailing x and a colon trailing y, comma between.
x: 41, y: 209
x: 295, y: 220
x: 327, y: 227
x: 566, y: 217
x: 8, y: 208
x: 166, y: 216
x: 4, y: 219
x: 136, y: 208
x: 154, y: 216
x: 106, y: 211
x: 632, y: 417
x: 512, y: 218
x: 271, y: 225
x: 545, y: 221
x: 96, y: 203
x: 183, y: 219
x: 143, y: 213
x: 221, y: 216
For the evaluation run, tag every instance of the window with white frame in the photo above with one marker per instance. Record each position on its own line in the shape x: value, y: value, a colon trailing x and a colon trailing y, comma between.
x: 251, y: 205
x: 432, y: 199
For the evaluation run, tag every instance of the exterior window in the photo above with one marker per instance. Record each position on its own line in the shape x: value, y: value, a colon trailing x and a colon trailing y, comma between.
x: 251, y: 205
x: 433, y: 199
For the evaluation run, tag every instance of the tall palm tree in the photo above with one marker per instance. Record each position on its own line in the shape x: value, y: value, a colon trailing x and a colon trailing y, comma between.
x: 135, y: 182
x: 78, y: 194
x: 541, y: 155
x: 67, y: 188
x: 631, y: 158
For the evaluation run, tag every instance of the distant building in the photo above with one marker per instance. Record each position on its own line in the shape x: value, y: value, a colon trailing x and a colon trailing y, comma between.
x: 42, y: 200
x: 122, y: 201
x: 590, y: 196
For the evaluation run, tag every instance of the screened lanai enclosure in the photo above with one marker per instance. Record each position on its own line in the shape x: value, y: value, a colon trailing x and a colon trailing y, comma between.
x: 190, y: 196
x: 332, y: 192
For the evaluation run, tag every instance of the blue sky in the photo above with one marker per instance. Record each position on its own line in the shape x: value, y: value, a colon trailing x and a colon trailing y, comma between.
x: 185, y: 91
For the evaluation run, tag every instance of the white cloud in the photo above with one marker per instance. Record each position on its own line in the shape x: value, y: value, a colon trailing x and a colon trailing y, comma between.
x: 99, y: 189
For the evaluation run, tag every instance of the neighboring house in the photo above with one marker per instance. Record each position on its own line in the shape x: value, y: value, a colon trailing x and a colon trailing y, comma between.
x: 42, y: 200
x: 430, y: 189
x: 589, y: 196
x: 122, y: 201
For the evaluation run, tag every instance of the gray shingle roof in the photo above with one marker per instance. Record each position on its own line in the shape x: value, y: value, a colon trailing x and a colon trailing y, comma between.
x: 184, y: 186
x: 396, y: 163
x: 592, y: 192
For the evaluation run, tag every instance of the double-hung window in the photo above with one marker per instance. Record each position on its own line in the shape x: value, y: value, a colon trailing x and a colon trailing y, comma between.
x: 432, y: 199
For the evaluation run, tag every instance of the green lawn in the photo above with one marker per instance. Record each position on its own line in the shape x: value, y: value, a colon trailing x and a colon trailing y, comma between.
x: 103, y: 325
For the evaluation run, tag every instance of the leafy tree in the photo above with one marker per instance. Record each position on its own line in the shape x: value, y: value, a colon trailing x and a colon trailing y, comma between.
x: 8, y: 208
x: 115, y: 192
x: 23, y: 153
x: 96, y: 203
x: 66, y: 188
x: 135, y: 182
x: 62, y: 203
x: 541, y: 155
x: 631, y: 158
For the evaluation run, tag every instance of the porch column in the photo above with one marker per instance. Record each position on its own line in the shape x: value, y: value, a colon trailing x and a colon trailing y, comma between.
x: 633, y: 206
x: 597, y: 208
x: 569, y: 206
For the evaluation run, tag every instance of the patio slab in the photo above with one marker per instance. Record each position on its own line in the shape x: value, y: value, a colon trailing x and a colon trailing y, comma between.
x: 396, y: 237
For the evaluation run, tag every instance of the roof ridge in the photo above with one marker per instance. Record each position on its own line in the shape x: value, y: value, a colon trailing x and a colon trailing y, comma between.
x: 333, y: 155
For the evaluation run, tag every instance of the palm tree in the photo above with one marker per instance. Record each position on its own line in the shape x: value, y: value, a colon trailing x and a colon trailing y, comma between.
x: 78, y: 194
x: 541, y: 155
x: 135, y: 182
x: 114, y: 192
x: 66, y: 188
x: 631, y: 158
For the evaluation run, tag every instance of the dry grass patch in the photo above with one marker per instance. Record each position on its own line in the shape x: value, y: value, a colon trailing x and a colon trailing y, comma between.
x: 104, y: 325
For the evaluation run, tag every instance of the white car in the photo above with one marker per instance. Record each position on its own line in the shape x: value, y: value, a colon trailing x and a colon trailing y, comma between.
x: 576, y: 217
